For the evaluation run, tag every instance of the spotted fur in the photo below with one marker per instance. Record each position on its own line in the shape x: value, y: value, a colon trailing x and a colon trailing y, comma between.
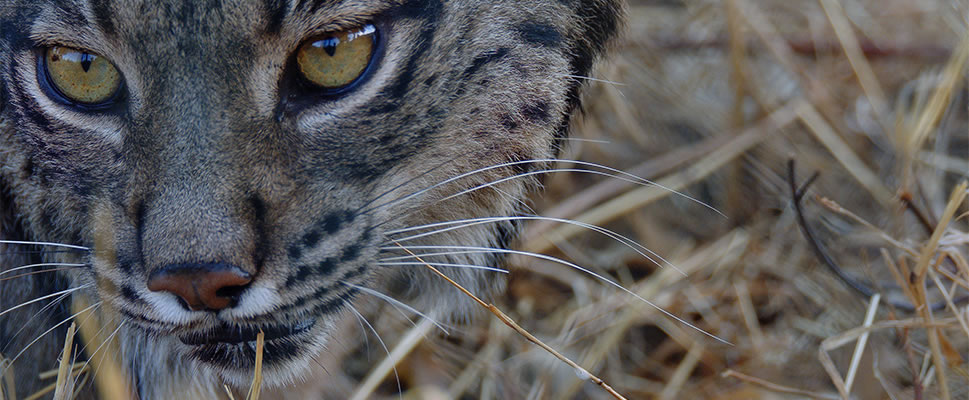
x: 214, y: 155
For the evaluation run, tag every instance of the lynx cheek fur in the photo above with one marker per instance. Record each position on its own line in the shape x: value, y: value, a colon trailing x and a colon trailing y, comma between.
x: 217, y: 182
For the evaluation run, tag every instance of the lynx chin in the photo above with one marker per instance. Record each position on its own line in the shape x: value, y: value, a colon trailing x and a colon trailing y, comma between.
x: 201, y: 171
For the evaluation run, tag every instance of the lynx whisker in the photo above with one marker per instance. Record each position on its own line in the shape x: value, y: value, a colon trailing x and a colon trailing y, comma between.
x: 364, y: 210
x: 584, y: 140
x: 66, y: 320
x: 42, y: 252
x: 69, y: 265
x: 589, y: 78
x: 612, y: 173
x: 452, y: 265
x: 394, y: 302
x: 610, y: 282
x: 632, y: 244
x: 47, y: 307
x: 96, y: 350
x: 29, y: 302
x: 380, y: 340
x: 580, y: 171
x: 30, y: 243
x: 42, y: 271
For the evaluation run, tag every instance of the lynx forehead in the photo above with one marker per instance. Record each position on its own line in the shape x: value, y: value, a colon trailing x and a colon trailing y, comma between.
x: 226, y: 167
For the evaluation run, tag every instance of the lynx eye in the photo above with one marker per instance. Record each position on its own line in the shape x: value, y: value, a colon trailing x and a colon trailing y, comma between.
x: 336, y: 61
x: 81, y: 76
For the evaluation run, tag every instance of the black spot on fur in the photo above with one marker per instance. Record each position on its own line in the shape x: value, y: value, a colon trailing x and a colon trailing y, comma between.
x: 326, y: 267
x: 539, y: 33
x: 336, y: 303
x: 508, y: 122
x: 295, y: 252
x: 536, y: 112
x: 311, y: 238
x: 334, y: 221
x: 302, y: 272
x: 351, y: 252
x: 129, y: 294
x: 356, y: 272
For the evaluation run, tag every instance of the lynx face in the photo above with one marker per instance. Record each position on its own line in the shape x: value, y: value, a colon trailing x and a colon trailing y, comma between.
x: 237, y: 166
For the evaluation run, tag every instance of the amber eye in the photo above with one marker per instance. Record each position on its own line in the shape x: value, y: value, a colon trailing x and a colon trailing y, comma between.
x: 80, y: 76
x: 337, y: 60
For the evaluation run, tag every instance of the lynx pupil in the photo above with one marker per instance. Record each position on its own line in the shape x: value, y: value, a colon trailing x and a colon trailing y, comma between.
x: 328, y: 45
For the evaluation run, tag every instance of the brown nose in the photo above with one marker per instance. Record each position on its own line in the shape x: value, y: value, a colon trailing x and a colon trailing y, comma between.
x: 211, y: 286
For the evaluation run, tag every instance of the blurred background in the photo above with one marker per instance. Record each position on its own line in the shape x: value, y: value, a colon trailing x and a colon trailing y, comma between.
x: 712, y: 100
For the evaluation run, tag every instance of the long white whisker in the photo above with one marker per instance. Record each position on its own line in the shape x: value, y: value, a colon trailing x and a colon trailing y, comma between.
x: 14, y: 360
x: 363, y: 209
x: 599, y: 141
x: 622, y: 175
x: 60, y: 297
x: 70, y: 246
x: 581, y: 171
x: 105, y: 354
x: 589, y: 78
x: 382, y: 344
x: 396, y: 303
x: 632, y: 244
x: 41, y: 265
x: 474, y: 250
x: 436, y: 264
x: 62, y: 292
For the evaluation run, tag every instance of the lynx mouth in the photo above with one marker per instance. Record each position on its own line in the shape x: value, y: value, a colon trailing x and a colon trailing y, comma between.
x: 235, y: 334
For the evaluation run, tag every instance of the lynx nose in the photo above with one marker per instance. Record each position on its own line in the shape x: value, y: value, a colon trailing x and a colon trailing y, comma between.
x: 210, y: 286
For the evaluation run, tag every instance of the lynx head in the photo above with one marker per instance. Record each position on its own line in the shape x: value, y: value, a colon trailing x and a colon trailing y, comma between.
x: 234, y: 167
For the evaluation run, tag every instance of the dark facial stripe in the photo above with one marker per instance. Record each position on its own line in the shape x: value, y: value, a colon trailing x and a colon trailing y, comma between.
x: 68, y: 10
x: 539, y: 33
x: 130, y: 295
x: 311, y: 5
x: 276, y: 12
x: 102, y: 16
x: 261, y: 230
x: 484, y: 59
x: 431, y: 13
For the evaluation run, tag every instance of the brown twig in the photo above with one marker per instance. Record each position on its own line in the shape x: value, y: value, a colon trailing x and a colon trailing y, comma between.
x: 797, y: 194
x: 909, y: 203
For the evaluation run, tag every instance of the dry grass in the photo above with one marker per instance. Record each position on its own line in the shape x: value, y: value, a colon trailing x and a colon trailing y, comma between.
x: 715, y: 98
